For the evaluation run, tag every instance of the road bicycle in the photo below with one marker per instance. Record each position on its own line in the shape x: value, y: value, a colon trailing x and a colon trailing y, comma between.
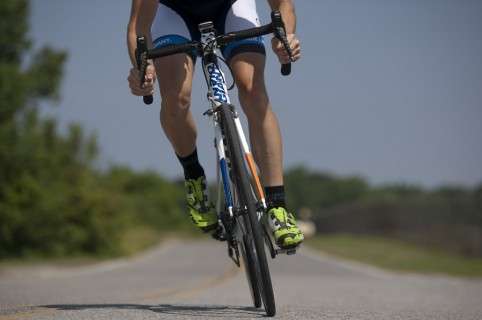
x: 240, y: 201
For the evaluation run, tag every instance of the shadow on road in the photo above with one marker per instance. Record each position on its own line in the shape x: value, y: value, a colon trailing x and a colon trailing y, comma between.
x: 207, y: 311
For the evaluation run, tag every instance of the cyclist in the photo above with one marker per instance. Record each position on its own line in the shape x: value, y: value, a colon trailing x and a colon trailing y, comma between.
x: 167, y: 22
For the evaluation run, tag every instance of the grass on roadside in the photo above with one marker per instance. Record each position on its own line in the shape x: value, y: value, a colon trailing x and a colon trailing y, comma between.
x: 134, y: 240
x: 397, y: 255
x: 140, y: 238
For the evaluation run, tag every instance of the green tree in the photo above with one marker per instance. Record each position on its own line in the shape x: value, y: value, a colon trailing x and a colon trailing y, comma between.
x: 52, y: 199
x: 315, y: 190
x: 49, y: 202
x: 21, y: 87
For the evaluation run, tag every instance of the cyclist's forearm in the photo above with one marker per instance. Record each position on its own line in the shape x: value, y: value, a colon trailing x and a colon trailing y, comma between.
x: 131, y: 44
x: 131, y: 30
x: 142, y: 15
x: 287, y: 10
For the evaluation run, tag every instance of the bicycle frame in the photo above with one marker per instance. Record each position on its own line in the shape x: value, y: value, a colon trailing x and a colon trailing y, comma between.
x: 217, y: 96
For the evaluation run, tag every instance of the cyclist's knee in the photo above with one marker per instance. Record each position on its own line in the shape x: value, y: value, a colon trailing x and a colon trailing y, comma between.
x: 252, y: 91
x: 249, y: 74
x: 175, y: 78
x: 253, y: 98
x: 176, y: 104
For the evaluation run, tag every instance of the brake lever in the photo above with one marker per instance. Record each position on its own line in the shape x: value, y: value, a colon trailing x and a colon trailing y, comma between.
x: 141, y: 59
x: 280, y: 34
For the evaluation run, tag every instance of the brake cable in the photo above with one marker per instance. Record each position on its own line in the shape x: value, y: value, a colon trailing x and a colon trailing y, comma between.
x: 230, y: 71
x: 211, y: 44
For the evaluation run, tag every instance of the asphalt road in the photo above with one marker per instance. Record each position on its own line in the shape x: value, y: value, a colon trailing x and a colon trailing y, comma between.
x: 196, y: 280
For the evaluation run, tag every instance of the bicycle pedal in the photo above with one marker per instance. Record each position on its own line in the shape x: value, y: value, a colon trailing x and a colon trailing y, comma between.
x: 219, y: 234
x: 288, y: 251
x: 291, y: 251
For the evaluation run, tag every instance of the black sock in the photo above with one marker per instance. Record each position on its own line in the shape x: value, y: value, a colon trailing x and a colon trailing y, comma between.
x: 192, y: 167
x: 275, y: 196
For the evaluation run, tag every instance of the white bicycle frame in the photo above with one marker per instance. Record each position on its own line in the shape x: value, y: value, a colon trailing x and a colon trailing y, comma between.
x: 217, y: 96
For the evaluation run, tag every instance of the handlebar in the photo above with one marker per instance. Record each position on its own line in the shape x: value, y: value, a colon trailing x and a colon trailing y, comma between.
x: 280, y: 33
x: 141, y: 59
x: 173, y: 49
x: 276, y: 27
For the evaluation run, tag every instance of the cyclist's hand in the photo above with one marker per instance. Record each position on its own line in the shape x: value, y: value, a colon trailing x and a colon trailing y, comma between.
x: 280, y: 51
x: 135, y: 81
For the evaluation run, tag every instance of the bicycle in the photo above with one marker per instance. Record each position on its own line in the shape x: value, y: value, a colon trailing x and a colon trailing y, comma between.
x: 240, y: 198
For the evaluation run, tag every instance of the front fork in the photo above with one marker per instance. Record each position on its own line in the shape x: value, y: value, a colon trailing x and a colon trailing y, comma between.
x: 222, y: 164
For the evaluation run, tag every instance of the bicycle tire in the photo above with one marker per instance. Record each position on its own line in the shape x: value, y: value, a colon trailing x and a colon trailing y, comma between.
x: 246, y: 245
x: 243, y: 185
x: 247, y: 251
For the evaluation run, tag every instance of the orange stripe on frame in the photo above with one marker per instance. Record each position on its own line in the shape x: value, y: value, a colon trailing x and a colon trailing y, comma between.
x: 254, y: 174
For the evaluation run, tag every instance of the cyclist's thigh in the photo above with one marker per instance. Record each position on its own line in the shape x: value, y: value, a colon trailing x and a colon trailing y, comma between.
x: 242, y: 15
x: 246, y: 57
x: 175, y: 72
x: 248, y: 71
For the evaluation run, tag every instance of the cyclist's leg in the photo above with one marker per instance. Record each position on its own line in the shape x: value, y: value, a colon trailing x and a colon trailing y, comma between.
x: 264, y: 132
x: 175, y: 74
x: 175, y: 81
x: 248, y: 68
x: 247, y: 61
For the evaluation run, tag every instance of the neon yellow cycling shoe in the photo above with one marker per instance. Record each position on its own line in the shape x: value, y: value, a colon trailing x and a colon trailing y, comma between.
x: 201, y: 210
x: 283, y: 224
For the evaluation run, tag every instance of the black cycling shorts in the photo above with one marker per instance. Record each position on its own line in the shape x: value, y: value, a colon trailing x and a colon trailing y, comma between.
x: 177, y: 22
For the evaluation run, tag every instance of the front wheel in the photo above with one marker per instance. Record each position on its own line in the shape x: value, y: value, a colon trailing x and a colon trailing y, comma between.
x: 247, y: 201
x: 252, y: 273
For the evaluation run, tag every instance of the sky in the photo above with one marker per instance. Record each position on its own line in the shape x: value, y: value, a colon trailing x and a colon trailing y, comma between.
x: 388, y: 90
